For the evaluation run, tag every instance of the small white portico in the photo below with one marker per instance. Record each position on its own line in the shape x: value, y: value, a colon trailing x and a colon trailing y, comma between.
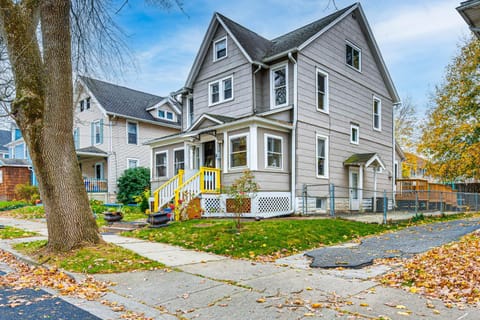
x: 357, y: 166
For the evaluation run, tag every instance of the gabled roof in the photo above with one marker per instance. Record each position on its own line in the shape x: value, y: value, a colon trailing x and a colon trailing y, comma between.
x: 215, y: 118
x: 122, y: 101
x: 5, y: 137
x: 366, y: 159
x: 259, y: 50
x: 470, y: 12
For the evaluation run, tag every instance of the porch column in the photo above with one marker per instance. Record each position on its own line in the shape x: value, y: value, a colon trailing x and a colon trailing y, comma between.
x: 360, y: 187
x: 374, y: 189
x: 253, y: 146
x: 226, y: 146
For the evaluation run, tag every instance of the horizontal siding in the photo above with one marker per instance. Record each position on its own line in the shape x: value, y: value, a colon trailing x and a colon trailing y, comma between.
x: 267, y: 181
x: 236, y: 65
x: 339, y: 150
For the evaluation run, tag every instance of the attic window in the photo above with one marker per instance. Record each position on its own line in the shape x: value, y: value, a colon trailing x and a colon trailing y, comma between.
x: 353, y: 56
x: 220, y: 49
x: 167, y: 115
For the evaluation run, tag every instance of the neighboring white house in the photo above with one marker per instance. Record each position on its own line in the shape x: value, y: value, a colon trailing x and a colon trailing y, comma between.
x: 111, y: 124
x: 311, y: 107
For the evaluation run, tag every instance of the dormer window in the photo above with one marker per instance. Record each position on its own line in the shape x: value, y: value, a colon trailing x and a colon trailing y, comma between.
x: 167, y: 115
x: 220, y: 49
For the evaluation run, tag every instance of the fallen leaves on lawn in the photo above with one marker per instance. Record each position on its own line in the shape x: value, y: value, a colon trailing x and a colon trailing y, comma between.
x: 449, y: 272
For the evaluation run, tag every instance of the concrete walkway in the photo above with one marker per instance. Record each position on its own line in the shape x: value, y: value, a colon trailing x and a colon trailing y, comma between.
x: 206, y: 286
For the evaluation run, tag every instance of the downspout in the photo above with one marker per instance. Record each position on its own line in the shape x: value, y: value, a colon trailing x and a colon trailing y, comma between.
x: 294, y: 134
x: 394, y: 142
x: 255, y: 89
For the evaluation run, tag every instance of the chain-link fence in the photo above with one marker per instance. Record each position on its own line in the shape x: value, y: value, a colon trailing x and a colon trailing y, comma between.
x: 381, y: 206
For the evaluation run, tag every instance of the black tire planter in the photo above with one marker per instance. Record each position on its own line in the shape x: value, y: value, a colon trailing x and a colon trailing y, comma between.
x: 158, y: 219
x: 111, y: 217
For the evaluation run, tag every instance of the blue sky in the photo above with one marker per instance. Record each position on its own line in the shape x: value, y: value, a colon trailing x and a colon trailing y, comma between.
x: 417, y: 38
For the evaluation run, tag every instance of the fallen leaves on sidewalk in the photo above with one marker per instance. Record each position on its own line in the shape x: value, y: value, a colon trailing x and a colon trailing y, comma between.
x: 449, y: 272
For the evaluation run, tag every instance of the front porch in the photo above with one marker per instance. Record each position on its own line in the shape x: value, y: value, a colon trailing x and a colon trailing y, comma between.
x: 93, y: 163
x: 205, y: 186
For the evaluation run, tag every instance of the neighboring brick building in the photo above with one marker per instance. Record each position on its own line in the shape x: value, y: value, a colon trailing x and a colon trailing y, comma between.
x: 13, y: 172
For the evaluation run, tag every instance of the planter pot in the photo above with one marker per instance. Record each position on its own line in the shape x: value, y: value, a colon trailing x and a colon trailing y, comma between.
x: 112, y: 216
x: 158, y: 219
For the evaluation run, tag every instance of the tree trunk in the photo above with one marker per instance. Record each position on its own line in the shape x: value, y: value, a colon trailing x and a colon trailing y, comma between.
x: 43, y: 110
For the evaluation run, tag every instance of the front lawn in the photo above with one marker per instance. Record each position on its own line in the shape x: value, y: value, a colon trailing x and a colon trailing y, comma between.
x: 103, y: 258
x: 263, y: 240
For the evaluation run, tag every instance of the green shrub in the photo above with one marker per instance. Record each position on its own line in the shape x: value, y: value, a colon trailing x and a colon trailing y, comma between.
x: 97, y: 206
x: 27, y: 193
x: 133, y: 183
x: 10, y: 205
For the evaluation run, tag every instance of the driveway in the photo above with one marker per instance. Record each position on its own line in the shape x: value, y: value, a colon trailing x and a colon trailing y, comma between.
x: 403, y: 244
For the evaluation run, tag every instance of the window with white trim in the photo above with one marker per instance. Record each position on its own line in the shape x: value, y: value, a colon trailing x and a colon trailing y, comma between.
x: 132, y: 163
x: 82, y: 105
x: 220, y: 91
x: 354, y: 133
x: 273, y: 152
x: 97, y: 131
x: 322, y: 156
x: 238, y: 151
x: 178, y: 160
x: 279, y: 86
x: 161, y: 164
x: 87, y: 103
x: 353, y: 56
x: 377, y: 113
x: 322, y: 91
x: 132, y: 132
x: 220, y: 49
x: 320, y: 203
x: 164, y: 114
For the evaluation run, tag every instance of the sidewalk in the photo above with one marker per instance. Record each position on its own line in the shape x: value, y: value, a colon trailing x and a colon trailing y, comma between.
x: 207, y: 286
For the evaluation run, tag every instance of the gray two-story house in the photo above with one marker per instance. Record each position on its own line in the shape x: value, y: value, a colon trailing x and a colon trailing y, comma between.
x: 311, y: 107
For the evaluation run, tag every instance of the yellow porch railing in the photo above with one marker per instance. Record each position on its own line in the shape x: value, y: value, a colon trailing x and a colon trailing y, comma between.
x: 166, y: 192
x: 207, y: 180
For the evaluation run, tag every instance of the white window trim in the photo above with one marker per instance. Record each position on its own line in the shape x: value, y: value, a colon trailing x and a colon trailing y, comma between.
x: 272, y: 88
x: 265, y: 146
x: 95, y: 123
x: 354, y: 126
x: 155, y: 164
x: 138, y: 132
x: 375, y: 98
x: 230, y: 138
x: 165, y: 113
x: 184, y: 158
x: 320, y: 136
x: 221, y: 97
x: 133, y: 159
x: 327, y: 95
x: 215, y: 49
x: 359, y: 57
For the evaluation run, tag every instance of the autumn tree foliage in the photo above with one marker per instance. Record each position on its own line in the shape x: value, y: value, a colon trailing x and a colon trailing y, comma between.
x: 451, y: 136
x: 406, y: 124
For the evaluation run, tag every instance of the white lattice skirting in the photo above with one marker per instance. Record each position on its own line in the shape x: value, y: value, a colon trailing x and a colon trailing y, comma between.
x: 263, y: 205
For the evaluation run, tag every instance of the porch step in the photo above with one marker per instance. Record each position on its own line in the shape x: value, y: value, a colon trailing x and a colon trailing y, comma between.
x: 124, y: 226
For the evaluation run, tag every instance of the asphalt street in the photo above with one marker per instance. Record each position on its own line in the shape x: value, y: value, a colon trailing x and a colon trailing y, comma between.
x: 403, y: 244
x: 37, y: 304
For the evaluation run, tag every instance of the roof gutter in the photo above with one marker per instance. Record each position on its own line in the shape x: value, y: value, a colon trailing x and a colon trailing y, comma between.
x: 146, y: 121
x: 281, y: 54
